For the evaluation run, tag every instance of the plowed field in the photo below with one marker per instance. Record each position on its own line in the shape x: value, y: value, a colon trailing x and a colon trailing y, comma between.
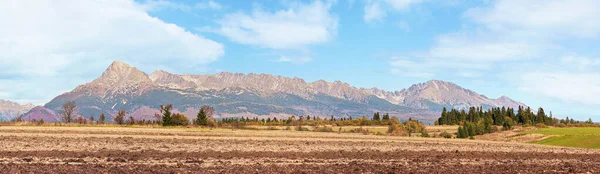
x: 154, y: 150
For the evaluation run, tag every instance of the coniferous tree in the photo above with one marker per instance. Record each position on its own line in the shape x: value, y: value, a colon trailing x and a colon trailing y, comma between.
x: 386, y: 117
x: 541, y: 116
x: 101, y: 119
x: 376, y: 117
x: 201, y: 119
x: 167, y: 119
x: 461, y: 133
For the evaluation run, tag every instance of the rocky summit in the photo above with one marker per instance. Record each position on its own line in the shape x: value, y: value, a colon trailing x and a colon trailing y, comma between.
x: 123, y: 87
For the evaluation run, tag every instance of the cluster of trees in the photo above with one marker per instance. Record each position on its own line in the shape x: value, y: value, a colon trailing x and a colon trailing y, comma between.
x: 395, y: 127
x: 478, y: 121
x: 203, y: 118
x: 497, y: 116
x: 409, y: 128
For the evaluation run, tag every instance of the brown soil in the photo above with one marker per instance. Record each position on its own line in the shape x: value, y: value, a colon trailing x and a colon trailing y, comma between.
x: 84, y: 150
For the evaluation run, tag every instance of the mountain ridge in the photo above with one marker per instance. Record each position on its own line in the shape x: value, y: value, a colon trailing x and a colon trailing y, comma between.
x: 125, y: 87
x: 10, y: 110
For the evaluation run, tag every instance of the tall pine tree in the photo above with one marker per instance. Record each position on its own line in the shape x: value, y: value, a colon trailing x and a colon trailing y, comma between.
x: 201, y: 119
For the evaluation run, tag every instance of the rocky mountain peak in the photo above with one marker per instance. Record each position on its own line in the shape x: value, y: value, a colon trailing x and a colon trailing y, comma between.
x: 119, y: 78
x: 119, y: 71
x: 10, y: 109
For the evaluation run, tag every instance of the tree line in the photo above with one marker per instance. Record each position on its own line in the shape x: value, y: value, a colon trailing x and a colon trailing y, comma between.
x: 477, y: 121
x: 496, y: 116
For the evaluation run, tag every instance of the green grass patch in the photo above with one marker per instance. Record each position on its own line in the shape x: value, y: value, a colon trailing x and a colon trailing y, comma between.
x: 567, y: 131
x: 584, y: 137
x: 592, y: 142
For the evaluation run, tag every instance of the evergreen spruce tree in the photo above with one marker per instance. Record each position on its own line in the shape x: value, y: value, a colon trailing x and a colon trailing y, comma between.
x: 386, y: 117
x: 376, y: 117
x: 166, y: 117
x: 201, y: 119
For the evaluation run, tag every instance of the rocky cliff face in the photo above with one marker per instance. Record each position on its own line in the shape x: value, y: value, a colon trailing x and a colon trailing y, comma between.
x: 122, y: 87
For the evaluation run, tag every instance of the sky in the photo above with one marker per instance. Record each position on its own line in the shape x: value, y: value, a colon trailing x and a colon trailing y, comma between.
x: 542, y: 53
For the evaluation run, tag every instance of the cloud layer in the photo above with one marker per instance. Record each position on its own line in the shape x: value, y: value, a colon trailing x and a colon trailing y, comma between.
x: 297, y: 27
x: 40, y: 38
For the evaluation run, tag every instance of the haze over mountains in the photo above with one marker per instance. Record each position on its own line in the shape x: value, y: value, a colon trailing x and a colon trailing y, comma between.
x: 123, y: 87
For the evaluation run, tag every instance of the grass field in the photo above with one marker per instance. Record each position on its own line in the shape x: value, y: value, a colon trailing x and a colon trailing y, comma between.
x: 570, y: 137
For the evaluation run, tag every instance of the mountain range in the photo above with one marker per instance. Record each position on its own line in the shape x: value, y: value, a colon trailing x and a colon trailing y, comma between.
x: 123, y: 87
x: 10, y: 110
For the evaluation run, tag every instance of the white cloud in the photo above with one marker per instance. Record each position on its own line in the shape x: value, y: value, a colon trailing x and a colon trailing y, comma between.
x: 409, y: 68
x: 296, y: 60
x: 402, y: 4
x: 294, y: 28
x: 469, y: 74
x: 580, y: 63
x: 567, y: 86
x: 373, y: 12
x: 550, y: 18
x: 513, y: 31
x: 157, y: 5
x: 40, y: 38
x: 376, y: 10
x: 480, y: 47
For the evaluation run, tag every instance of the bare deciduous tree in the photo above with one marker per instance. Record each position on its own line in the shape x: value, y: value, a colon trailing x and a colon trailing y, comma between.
x: 69, y: 109
x: 120, y: 117
x: 209, y: 111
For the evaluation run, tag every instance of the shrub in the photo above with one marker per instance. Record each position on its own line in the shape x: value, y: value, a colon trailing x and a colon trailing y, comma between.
x: 541, y: 125
x: 507, y: 126
x: 323, y: 129
x: 179, y: 120
x: 212, y: 123
x: 131, y: 121
x: 446, y: 134
x: 300, y: 128
x: 396, y: 129
x: 560, y: 125
x: 424, y: 134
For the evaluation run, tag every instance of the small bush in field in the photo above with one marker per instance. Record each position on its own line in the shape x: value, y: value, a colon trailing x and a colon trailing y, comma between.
x: 323, y: 129
x: 446, y: 135
x: 300, y: 128
x: 179, y: 120
x: 541, y: 125
x: 560, y: 125
x: 212, y: 123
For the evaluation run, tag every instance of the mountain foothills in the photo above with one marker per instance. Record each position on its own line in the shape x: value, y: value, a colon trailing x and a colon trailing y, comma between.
x: 10, y: 110
x: 123, y: 87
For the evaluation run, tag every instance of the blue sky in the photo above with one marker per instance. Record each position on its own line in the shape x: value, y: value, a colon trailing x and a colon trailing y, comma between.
x: 543, y: 53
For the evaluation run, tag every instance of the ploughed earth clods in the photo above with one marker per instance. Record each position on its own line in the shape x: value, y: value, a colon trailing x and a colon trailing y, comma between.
x: 102, y: 151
